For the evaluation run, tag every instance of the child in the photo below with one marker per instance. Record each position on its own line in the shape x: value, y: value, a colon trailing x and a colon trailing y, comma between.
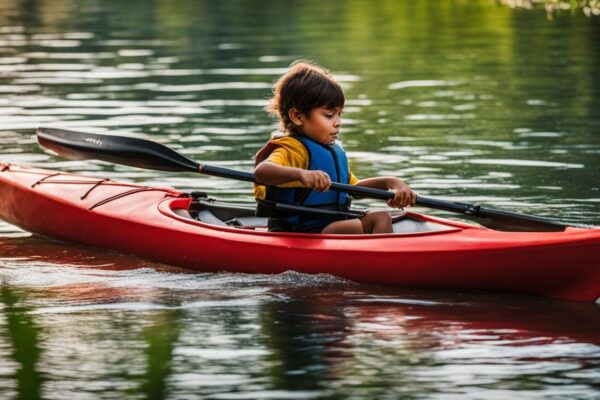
x: 308, y: 103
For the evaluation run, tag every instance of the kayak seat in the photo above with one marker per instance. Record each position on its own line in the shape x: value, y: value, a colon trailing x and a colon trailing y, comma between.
x: 222, y: 211
x: 223, y: 214
x: 248, y: 222
x: 209, y: 218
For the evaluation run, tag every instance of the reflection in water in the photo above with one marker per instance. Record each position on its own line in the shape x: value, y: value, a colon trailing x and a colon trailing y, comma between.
x: 161, y: 337
x: 494, y: 345
x: 175, y: 334
x: 382, y: 342
x: 304, y: 335
x: 24, y: 336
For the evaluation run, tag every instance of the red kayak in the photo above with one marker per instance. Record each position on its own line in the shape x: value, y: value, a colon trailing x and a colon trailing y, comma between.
x: 201, y: 234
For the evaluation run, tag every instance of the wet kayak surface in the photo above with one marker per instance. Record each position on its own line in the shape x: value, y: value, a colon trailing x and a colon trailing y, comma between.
x: 471, y: 101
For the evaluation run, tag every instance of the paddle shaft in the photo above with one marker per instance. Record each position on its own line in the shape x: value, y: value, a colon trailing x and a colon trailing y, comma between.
x: 147, y: 154
x: 509, y: 220
x: 359, y: 191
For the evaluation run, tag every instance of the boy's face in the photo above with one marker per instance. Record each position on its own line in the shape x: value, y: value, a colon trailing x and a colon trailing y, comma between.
x: 322, y: 125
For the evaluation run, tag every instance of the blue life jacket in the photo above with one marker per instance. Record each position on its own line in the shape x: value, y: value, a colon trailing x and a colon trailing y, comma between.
x: 328, y: 158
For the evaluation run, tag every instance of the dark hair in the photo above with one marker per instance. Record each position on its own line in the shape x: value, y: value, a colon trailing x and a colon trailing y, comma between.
x: 304, y: 87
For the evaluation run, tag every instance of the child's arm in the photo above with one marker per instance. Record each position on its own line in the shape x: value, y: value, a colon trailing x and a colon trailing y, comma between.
x: 404, y: 196
x: 269, y: 173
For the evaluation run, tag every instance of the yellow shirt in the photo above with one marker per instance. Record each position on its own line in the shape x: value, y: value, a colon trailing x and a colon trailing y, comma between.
x: 290, y: 153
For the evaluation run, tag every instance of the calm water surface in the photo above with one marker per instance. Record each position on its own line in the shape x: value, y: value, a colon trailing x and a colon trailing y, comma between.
x: 463, y: 99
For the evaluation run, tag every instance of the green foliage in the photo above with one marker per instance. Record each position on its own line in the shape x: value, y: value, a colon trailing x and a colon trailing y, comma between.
x: 589, y: 7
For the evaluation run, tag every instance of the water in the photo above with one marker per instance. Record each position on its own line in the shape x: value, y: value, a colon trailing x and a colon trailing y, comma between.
x: 464, y: 100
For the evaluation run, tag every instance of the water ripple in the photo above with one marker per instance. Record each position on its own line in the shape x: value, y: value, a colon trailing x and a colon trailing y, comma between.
x: 461, y: 110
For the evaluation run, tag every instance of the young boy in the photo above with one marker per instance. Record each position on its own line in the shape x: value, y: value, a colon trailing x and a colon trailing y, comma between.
x: 302, y: 163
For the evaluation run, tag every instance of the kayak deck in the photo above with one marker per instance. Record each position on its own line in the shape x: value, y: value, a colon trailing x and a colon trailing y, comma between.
x: 164, y: 225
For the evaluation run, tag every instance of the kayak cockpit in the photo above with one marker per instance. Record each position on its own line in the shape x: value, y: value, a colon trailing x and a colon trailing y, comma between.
x: 212, y: 212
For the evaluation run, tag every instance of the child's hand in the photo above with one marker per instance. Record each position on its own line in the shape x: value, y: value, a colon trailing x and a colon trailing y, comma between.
x: 316, y: 180
x: 404, y: 196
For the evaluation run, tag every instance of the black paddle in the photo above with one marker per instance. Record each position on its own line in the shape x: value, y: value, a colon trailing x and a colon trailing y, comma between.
x: 147, y: 154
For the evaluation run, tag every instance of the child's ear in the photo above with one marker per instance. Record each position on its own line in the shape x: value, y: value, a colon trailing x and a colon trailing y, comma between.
x: 295, y: 116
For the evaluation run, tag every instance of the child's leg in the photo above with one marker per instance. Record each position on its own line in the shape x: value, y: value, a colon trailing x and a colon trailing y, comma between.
x: 373, y: 222
x: 347, y: 226
x: 377, y: 222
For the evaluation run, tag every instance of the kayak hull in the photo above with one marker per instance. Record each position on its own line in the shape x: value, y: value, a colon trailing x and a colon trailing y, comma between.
x: 152, y: 223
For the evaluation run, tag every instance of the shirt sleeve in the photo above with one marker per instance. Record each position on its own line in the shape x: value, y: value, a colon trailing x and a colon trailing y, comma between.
x: 290, y: 153
x: 280, y: 156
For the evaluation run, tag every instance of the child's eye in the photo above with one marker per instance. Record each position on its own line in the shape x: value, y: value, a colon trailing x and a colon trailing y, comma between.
x: 332, y: 114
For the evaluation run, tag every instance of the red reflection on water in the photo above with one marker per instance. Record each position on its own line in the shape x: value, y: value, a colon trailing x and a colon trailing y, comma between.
x: 28, y: 251
x: 35, y: 248
x: 516, y: 320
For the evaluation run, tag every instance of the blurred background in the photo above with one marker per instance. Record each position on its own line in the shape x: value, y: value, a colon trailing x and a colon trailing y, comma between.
x: 496, y: 102
x: 471, y: 100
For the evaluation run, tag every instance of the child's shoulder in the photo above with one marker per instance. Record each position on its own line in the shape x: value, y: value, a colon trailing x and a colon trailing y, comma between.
x: 286, y: 141
x: 281, y: 137
x: 285, y: 148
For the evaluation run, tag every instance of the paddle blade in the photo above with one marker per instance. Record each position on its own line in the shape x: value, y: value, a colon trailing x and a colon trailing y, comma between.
x: 493, y: 218
x: 135, y: 152
x: 518, y: 224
